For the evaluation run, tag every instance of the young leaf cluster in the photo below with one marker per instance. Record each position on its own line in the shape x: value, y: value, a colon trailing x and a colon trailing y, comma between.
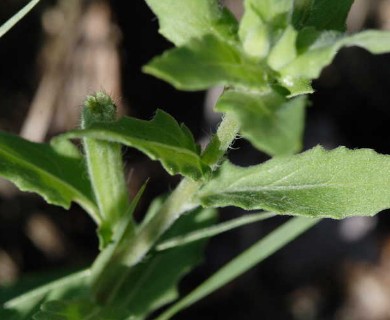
x: 275, y: 51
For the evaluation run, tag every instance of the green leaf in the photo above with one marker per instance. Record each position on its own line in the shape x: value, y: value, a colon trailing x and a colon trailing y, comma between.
x: 24, y: 306
x: 213, y: 230
x: 132, y: 252
x: 29, y: 282
x: 261, y: 24
x: 183, y: 20
x: 66, y: 310
x: 204, y: 63
x: 143, y: 290
x: 375, y: 41
x: 269, y: 121
x: 153, y: 283
x: 273, y: 13
x: 243, y: 262
x: 321, y: 14
x: 69, y: 298
x: 284, y: 50
x: 107, y: 269
x: 4, y: 28
x: 77, y: 309
x: 318, y: 49
x: 317, y: 183
x: 57, y: 173
x: 161, y: 139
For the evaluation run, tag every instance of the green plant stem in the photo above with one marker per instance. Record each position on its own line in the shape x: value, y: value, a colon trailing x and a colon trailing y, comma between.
x: 243, y: 262
x: 221, y: 141
x: 105, y: 166
x: 214, y: 230
x: 106, y: 284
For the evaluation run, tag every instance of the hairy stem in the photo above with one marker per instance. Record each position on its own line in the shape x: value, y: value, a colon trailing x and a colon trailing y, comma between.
x: 106, y: 284
x: 105, y: 166
x: 221, y: 141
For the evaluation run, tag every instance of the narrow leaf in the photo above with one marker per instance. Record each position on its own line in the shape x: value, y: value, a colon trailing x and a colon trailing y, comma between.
x: 180, y: 21
x: 107, y: 267
x: 17, y: 17
x: 24, y: 306
x: 206, y: 62
x: 57, y: 173
x: 242, y: 263
x: 317, y: 183
x: 269, y: 121
x: 321, y: 14
x: 144, y: 289
x: 161, y: 139
x: 213, y: 230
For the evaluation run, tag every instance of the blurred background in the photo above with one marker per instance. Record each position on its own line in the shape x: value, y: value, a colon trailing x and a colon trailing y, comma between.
x: 66, y: 49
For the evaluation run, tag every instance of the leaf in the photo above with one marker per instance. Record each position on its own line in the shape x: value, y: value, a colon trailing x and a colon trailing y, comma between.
x: 8, y: 25
x: 261, y: 24
x: 375, y: 41
x: 180, y: 21
x: 69, y: 298
x: 77, y: 309
x: 24, y: 306
x: 56, y: 172
x: 275, y: 13
x: 243, y: 262
x: 29, y: 282
x: 161, y: 139
x: 204, y: 63
x: 144, y: 289
x: 153, y: 283
x: 213, y: 230
x: 66, y: 310
x: 284, y: 50
x: 107, y: 269
x: 317, y: 50
x: 269, y: 121
x: 321, y: 14
x: 317, y: 183
x: 106, y: 285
